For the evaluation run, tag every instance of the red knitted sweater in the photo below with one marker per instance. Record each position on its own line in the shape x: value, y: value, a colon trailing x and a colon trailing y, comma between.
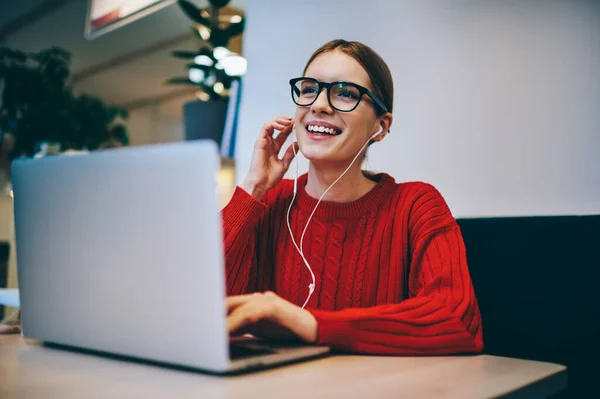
x: 390, y: 267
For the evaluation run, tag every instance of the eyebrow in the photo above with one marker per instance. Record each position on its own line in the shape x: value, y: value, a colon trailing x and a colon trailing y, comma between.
x: 340, y: 80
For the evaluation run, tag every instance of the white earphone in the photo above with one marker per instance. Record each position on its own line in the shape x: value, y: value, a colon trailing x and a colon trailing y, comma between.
x: 376, y: 134
x: 311, y: 287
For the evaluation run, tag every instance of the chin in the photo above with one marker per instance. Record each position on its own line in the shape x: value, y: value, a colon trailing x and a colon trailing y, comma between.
x: 316, y: 151
x: 321, y: 151
x: 317, y: 154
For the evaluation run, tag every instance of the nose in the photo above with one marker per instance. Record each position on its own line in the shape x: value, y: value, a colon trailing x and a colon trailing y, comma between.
x: 321, y: 104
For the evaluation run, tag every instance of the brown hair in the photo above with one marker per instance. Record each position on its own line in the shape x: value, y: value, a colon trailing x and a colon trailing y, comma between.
x: 374, y: 65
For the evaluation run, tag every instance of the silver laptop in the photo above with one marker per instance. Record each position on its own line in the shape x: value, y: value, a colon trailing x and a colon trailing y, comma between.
x: 121, y: 252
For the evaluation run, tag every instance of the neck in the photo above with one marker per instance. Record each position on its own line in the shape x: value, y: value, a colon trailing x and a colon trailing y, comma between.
x: 350, y: 187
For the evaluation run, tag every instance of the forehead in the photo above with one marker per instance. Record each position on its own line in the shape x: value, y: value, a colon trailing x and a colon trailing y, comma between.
x: 337, y: 66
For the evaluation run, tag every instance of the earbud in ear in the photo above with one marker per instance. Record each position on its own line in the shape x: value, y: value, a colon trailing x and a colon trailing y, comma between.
x: 377, y: 134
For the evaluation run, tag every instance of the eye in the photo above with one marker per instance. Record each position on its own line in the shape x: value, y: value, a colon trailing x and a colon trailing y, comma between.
x: 309, y: 90
x: 347, y: 94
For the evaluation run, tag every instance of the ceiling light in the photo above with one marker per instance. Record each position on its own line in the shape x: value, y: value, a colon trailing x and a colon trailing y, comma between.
x: 236, y: 19
x: 202, y: 95
x: 196, y: 75
x: 203, y: 60
x: 234, y: 65
x: 204, y: 32
x: 218, y: 87
x: 220, y: 52
x: 210, y: 80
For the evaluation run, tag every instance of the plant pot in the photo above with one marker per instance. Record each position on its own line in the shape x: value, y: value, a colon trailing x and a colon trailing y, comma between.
x: 205, y: 120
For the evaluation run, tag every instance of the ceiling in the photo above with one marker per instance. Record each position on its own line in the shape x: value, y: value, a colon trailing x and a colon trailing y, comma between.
x: 127, y: 66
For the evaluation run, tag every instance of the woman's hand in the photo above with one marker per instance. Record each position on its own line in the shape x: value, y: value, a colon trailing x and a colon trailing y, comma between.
x: 266, y: 168
x: 7, y: 329
x: 270, y: 316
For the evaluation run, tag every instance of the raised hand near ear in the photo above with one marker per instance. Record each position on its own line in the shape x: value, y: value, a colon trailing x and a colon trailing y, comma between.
x: 267, y: 168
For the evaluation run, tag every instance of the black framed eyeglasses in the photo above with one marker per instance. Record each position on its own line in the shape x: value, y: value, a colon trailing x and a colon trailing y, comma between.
x: 342, y: 96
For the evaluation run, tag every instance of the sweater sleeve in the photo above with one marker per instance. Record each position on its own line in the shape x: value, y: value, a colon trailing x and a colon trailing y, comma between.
x: 241, y: 219
x: 440, y: 316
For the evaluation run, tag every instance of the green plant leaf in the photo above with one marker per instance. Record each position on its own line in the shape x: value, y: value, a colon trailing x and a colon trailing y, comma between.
x: 179, y: 80
x: 37, y: 105
x: 193, y: 12
x: 236, y: 28
x: 184, y: 54
x: 204, y: 68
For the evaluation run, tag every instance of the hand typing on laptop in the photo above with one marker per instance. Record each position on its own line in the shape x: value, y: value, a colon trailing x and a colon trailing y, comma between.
x: 6, y: 329
x: 270, y: 316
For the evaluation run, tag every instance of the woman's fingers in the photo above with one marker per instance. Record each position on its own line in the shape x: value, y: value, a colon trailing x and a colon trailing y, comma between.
x: 247, y: 310
x: 269, y: 128
x: 277, y: 124
x: 282, y: 136
x: 283, y: 119
x: 267, y: 314
x: 289, y: 155
x: 6, y: 329
x: 234, y: 302
x: 245, y: 315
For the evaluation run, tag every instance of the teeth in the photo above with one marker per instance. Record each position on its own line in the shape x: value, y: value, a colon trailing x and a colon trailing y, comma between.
x: 321, y: 129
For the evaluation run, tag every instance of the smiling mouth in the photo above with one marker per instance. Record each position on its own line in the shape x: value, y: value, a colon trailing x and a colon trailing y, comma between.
x: 326, y: 131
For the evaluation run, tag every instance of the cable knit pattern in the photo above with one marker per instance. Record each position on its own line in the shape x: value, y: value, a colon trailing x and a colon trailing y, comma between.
x: 331, y: 271
x: 356, y: 251
x: 390, y: 267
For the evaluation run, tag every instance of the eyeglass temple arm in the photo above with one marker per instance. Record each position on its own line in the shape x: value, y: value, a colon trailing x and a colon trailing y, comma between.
x: 377, y: 101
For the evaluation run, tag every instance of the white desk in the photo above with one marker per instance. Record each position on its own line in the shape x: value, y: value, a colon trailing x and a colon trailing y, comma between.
x: 28, y: 370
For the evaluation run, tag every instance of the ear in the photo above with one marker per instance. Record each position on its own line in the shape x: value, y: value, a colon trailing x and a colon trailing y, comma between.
x: 383, y: 123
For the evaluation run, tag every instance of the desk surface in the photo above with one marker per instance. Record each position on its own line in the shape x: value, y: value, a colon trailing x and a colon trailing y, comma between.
x: 28, y: 370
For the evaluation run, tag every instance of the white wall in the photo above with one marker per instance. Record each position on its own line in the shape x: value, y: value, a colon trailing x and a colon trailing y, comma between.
x: 497, y: 103
x: 156, y: 123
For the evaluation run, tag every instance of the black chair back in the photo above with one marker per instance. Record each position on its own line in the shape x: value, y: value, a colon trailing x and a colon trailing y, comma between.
x: 537, y: 280
x: 4, y: 254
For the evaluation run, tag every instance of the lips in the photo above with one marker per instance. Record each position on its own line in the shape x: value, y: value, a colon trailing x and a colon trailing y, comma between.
x: 321, y: 128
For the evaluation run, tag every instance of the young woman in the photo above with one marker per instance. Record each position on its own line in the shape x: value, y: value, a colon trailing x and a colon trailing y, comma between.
x: 344, y: 258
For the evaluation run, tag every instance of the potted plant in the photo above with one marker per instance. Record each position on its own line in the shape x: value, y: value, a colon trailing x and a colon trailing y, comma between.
x: 215, y: 71
x: 213, y: 67
x: 37, y: 106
